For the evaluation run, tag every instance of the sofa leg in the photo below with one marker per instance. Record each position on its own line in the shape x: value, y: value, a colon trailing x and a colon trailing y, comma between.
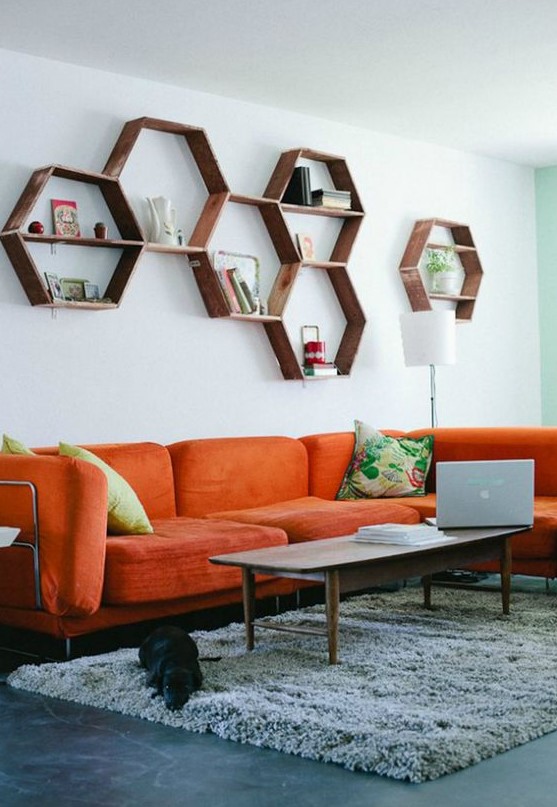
x: 68, y: 649
x: 547, y: 585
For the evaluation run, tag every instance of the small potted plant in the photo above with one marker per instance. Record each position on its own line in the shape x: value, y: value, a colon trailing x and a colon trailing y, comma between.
x: 443, y: 271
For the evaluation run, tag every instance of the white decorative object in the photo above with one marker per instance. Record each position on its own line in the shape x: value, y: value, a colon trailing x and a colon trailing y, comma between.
x: 163, y: 221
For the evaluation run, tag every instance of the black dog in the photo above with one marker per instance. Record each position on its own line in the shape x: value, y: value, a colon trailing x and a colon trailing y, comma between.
x: 171, y: 657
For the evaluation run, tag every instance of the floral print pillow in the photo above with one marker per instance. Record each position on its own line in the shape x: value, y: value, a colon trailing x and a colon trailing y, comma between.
x: 386, y: 466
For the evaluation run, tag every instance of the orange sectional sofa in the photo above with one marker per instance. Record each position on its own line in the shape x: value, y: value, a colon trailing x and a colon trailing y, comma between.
x: 210, y: 496
x: 90, y: 581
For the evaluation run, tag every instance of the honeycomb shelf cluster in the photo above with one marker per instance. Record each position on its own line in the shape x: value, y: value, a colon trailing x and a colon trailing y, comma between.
x: 131, y: 242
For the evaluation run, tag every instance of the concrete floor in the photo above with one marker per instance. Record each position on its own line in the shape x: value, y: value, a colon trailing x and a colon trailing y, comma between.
x: 58, y: 753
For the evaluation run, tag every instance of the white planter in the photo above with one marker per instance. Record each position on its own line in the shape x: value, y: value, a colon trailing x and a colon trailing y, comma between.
x: 445, y: 283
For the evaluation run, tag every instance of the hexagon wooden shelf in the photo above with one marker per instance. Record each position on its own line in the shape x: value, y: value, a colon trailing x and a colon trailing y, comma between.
x: 335, y: 266
x: 130, y: 242
x: 420, y: 299
x: 206, y: 162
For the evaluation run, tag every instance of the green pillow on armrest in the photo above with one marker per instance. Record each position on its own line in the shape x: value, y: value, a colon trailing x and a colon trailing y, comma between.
x: 126, y: 515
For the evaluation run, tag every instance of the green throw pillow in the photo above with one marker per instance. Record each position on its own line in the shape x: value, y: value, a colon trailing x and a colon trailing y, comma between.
x: 126, y: 515
x: 386, y: 466
x: 11, y: 446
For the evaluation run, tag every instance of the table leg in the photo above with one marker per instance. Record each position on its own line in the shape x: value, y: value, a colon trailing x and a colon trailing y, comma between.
x: 426, y: 583
x: 248, y: 596
x: 332, y: 602
x: 506, y: 564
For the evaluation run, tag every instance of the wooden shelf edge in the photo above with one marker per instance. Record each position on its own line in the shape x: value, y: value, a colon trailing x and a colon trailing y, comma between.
x: 109, y: 243
x: 254, y: 317
x: 91, y: 305
x: 325, y: 264
x: 452, y: 297
x: 333, y: 212
x: 455, y: 247
x: 257, y: 201
x: 170, y: 249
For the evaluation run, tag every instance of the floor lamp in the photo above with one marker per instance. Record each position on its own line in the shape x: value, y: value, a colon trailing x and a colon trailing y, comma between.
x: 429, y: 338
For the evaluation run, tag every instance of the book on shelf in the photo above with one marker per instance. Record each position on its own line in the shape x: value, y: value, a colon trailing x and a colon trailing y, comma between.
x: 245, y: 307
x: 402, y: 534
x: 321, y: 369
x: 298, y: 191
x: 247, y: 292
x: 64, y: 217
x: 228, y: 291
x: 332, y: 198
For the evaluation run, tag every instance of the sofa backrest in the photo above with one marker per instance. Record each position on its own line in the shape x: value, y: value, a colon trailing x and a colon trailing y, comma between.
x: 147, y: 468
x: 498, y: 443
x: 232, y: 473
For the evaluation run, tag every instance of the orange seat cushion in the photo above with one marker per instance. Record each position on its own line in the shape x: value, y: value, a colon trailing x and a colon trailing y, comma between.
x: 311, y: 518
x: 173, y: 562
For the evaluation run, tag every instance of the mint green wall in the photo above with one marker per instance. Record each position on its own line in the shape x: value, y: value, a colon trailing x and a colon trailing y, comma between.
x: 546, y: 216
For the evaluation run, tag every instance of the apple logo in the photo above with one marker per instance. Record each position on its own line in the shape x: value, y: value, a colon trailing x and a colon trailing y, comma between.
x: 484, y: 494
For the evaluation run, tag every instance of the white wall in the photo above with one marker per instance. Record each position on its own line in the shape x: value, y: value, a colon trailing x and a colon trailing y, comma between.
x: 159, y: 368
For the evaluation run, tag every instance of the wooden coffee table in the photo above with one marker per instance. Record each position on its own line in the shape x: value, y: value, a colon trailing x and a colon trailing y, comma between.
x: 345, y: 565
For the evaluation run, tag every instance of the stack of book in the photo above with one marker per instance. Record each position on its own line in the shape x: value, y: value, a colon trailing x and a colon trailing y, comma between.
x: 404, y: 534
x: 237, y: 292
x: 322, y: 369
x: 332, y: 198
x: 298, y: 191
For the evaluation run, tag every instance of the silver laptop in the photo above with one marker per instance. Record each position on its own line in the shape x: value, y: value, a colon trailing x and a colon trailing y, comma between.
x: 495, y: 493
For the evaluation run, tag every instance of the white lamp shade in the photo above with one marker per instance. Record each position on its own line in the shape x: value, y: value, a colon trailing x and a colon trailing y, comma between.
x: 428, y: 337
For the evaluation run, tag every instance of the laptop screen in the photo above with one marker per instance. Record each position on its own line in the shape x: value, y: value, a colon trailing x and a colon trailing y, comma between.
x: 486, y: 493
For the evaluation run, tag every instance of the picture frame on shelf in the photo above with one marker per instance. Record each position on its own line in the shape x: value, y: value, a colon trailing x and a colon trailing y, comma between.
x: 306, y: 247
x: 54, y: 286
x: 91, y: 291
x: 64, y: 218
x: 73, y: 289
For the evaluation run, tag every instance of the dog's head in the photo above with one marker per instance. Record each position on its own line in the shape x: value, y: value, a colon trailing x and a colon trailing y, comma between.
x: 177, y: 686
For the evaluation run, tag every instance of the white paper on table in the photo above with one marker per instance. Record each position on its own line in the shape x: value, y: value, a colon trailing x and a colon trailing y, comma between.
x: 8, y: 535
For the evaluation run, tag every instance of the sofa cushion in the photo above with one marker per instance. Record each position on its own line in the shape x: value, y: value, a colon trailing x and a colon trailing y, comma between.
x: 237, y: 472
x: 173, y: 561
x: 383, y: 466
x: 310, y: 518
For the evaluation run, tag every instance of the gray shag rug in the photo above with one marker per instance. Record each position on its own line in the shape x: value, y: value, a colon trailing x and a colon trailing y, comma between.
x: 418, y: 694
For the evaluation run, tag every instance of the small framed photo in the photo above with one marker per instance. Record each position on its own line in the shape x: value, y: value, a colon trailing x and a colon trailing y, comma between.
x: 305, y: 244
x: 73, y: 289
x: 91, y: 291
x: 54, y: 286
x: 64, y: 217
